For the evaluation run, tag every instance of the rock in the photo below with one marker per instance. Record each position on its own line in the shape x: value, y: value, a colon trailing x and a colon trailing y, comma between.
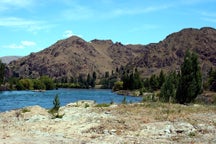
x: 82, y: 103
x: 167, y: 129
x: 184, y: 127
x: 162, y: 129
x: 107, y: 112
x: 37, y: 118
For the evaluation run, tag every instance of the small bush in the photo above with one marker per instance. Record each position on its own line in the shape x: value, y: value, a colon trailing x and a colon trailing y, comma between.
x: 124, y: 101
x: 118, y: 86
x: 102, y: 105
x: 192, y: 134
x: 86, y: 105
x: 111, y: 102
x: 24, y: 110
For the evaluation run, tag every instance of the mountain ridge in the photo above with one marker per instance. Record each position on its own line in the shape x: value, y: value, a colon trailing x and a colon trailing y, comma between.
x: 8, y: 59
x: 74, y: 56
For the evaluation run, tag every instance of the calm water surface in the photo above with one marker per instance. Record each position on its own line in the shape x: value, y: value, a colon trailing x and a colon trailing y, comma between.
x: 17, y: 99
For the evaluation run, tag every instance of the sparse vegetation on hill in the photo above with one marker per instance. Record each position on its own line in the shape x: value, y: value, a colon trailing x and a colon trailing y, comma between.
x: 74, y: 56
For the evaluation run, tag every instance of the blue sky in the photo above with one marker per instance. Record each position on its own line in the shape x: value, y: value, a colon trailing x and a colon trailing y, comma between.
x: 31, y: 25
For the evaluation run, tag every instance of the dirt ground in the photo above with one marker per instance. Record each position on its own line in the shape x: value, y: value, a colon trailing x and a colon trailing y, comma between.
x: 86, y: 123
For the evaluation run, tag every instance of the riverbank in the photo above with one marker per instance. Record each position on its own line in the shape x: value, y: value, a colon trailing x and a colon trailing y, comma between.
x: 83, y: 122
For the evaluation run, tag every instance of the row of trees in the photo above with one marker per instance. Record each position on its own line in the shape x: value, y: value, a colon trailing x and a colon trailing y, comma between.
x: 82, y: 81
x: 182, y: 87
x: 42, y: 83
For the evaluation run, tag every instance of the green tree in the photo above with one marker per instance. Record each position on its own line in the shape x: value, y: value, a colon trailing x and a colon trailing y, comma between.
x: 107, y: 74
x: 38, y: 85
x: 167, y: 89
x: 190, y: 81
x: 126, y: 81
x: 153, y: 81
x: 212, y: 80
x: 118, y: 86
x: 26, y: 84
x: 161, y: 78
x: 94, y: 77
x: 55, y: 110
x: 88, y: 81
x: 48, y: 82
x: 137, y: 82
x: 56, y: 103
x: 19, y: 86
x: 131, y: 80
x: 2, y: 72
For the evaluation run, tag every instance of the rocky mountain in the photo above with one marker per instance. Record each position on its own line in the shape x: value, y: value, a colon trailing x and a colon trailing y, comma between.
x: 74, y: 56
x: 169, y: 53
x: 8, y: 59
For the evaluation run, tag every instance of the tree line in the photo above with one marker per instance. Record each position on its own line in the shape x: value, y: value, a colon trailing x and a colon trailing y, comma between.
x: 81, y: 81
x: 42, y: 83
x: 177, y: 86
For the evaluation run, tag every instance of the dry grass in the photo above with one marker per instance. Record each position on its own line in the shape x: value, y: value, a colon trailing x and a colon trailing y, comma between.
x: 131, y: 116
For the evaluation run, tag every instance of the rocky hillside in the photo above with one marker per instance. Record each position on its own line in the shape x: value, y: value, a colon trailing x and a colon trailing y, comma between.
x: 74, y: 56
x: 169, y: 53
x: 8, y: 59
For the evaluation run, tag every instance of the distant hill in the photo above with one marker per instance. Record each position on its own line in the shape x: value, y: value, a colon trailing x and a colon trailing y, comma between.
x: 169, y: 53
x: 74, y: 56
x: 8, y: 59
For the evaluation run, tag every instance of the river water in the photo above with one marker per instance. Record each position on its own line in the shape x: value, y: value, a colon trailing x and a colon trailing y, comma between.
x: 17, y: 99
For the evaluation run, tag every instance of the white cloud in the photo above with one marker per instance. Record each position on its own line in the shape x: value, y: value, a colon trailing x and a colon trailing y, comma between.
x: 14, y: 21
x: 69, y: 33
x: 144, y: 27
x: 208, y: 16
x: 16, y: 3
x: 28, y: 43
x: 22, y: 45
x: 213, y: 20
x: 135, y: 11
x: 20, y: 23
x: 78, y: 13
